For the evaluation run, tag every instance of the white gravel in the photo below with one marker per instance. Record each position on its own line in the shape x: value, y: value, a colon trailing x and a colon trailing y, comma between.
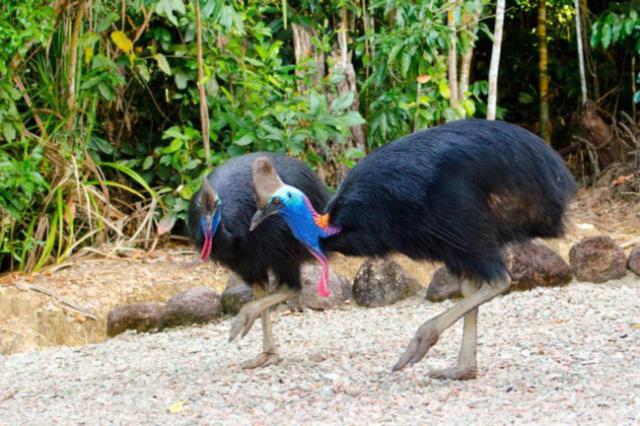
x: 568, y: 356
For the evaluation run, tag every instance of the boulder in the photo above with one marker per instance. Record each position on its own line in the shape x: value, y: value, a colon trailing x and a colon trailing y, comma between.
x: 339, y: 289
x: 197, y: 305
x: 530, y: 264
x: 536, y: 265
x: 598, y: 259
x: 381, y: 282
x: 443, y: 286
x: 236, y: 294
x: 140, y: 317
x: 634, y: 260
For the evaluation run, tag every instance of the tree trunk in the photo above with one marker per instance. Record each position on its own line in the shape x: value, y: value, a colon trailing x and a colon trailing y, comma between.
x: 343, y: 65
x: 495, y: 61
x: 73, y: 63
x: 545, y: 128
x: 204, y: 109
x: 583, y: 77
x: 303, y: 49
x: 452, y: 60
x: 467, y: 56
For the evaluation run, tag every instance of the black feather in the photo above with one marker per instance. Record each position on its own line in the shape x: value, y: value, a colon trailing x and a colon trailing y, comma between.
x: 270, y: 247
x: 456, y: 193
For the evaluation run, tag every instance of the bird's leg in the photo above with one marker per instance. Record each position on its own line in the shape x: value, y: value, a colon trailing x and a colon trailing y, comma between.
x: 269, y: 353
x: 428, y: 333
x: 467, y: 367
x: 252, y: 310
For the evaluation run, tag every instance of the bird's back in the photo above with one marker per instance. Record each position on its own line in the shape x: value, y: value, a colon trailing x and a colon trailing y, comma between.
x: 271, y: 246
x: 455, y: 193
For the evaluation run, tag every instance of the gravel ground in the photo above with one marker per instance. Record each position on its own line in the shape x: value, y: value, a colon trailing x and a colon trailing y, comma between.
x: 569, y: 355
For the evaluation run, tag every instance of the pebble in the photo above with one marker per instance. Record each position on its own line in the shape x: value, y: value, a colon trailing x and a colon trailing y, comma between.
x: 545, y: 354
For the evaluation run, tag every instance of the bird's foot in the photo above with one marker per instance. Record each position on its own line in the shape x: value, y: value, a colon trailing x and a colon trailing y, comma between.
x: 459, y: 372
x: 244, y: 321
x: 424, y: 339
x: 262, y: 360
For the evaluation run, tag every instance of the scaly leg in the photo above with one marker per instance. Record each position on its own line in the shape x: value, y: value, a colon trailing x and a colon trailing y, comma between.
x: 252, y: 310
x: 467, y: 366
x: 269, y: 353
x: 428, y: 333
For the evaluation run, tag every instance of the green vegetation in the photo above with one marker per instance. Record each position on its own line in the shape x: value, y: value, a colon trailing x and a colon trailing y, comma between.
x: 102, y: 107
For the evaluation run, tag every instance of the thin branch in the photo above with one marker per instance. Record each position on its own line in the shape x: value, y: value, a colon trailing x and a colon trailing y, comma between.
x: 204, y: 110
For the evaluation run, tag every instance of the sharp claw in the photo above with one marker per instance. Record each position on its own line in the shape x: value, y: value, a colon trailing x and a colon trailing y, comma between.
x: 417, y: 349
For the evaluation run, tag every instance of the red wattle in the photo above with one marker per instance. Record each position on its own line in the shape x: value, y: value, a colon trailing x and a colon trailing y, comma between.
x: 206, y: 247
x: 322, y: 288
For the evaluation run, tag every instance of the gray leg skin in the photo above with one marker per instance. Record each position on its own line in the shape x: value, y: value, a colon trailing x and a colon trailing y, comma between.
x: 428, y: 333
x: 269, y: 355
x: 247, y: 316
x: 467, y: 367
x: 252, y: 310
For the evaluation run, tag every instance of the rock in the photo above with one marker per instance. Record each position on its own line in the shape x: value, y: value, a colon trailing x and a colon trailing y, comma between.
x: 536, y: 265
x: 197, y: 305
x: 236, y: 294
x: 339, y: 289
x: 597, y: 259
x: 381, y: 282
x: 443, y: 286
x: 140, y: 317
x: 634, y: 260
x: 530, y: 264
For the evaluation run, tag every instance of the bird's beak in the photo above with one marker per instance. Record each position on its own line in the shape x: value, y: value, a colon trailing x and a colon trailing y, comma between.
x: 262, y: 214
x: 208, y: 239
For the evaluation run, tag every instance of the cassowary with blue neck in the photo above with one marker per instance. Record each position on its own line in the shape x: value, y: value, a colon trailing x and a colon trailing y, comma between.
x: 219, y: 217
x: 456, y: 193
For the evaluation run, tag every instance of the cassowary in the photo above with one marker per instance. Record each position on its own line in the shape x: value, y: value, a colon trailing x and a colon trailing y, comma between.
x: 457, y: 193
x: 219, y: 218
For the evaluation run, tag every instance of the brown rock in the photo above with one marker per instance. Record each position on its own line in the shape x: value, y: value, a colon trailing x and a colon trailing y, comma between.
x: 236, y: 294
x: 197, y: 305
x: 140, y: 317
x: 339, y: 289
x: 536, y: 265
x: 597, y: 259
x: 634, y: 260
x: 381, y: 282
x: 443, y: 286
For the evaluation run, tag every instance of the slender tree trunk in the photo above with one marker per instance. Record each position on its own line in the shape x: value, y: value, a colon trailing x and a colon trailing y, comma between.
x: 453, y: 55
x: 495, y: 61
x: 583, y: 76
x: 73, y: 63
x: 349, y: 83
x: 545, y: 129
x: 465, y: 63
x: 204, y: 109
x: 303, y: 50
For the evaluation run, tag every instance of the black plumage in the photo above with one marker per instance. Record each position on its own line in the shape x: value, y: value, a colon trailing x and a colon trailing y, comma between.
x: 272, y: 247
x: 225, y: 204
x: 456, y: 193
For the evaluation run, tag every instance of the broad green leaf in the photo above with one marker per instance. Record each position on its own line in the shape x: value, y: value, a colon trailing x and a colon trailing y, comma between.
x: 342, y: 102
x: 174, y: 146
x: 162, y: 63
x: 169, y: 7
x: 148, y: 162
x: 181, y: 80
x: 245, y: 140
x: 469, y: 107
x: 352, y: 118
x: 443, y: 87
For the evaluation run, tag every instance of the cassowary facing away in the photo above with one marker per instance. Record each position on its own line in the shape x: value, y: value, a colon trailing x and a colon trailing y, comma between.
x: 219, y: 218
x: 456, y: 193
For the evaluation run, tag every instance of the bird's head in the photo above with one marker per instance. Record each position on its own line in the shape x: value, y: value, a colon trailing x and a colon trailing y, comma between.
x: 273, y: 196
x: 209, y: 204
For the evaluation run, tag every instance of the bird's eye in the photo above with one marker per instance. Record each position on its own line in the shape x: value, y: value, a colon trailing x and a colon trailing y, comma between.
x: 289, y: 194
x: 276, y: 200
